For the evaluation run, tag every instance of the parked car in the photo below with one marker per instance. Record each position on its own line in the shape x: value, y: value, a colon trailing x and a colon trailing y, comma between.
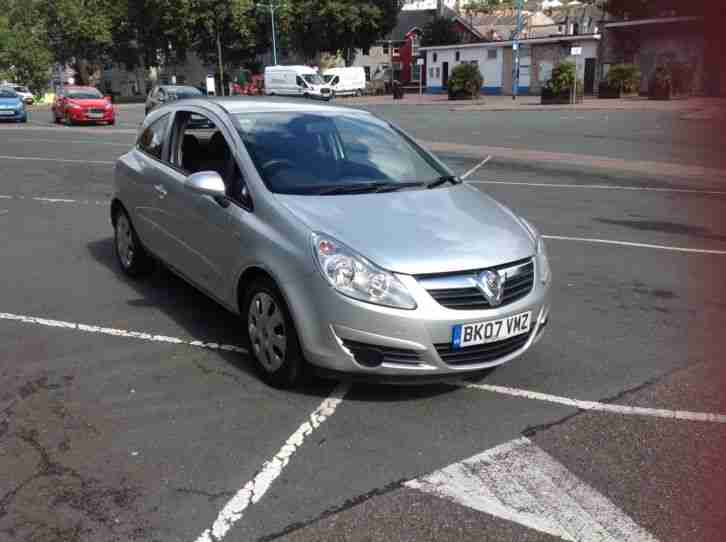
x: 12, y: 106
x: 24, y: 93
x: 162, y: 94
x: 349, y: 81
x: 296, y: 81
x: 339, y: 241
x: 77, y: 104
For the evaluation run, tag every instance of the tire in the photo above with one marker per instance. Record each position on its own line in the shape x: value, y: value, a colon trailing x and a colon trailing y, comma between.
x: 67, y: 120
x: 130, y: 254
x: 358, y: 93
x: 265, y: 314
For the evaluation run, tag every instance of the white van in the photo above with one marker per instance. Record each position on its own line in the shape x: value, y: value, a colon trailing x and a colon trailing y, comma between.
x: 295, y: 81
x: 346, y: 80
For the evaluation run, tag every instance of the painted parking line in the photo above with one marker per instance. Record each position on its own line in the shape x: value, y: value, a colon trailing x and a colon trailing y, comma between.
x: 73, y: 141
x: 256, y: 488
x: 62, y: 160
x: 476, y: 167
x: 120, y: 332
x: 601, y: 407
x: 606, y: 187
x: 636, y: 245
x: 518, y: 481
x: 56, y: 200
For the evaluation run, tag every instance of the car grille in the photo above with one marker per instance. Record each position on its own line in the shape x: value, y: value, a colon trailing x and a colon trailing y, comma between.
x: 325, y: 91
x: 484, y: 353
x: 97, y: 111
x: 462, y: 296
x: 372, y: 355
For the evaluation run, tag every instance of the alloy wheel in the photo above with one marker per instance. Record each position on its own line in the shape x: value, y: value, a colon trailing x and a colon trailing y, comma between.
x: 125, y: 241
x: 266, y: 327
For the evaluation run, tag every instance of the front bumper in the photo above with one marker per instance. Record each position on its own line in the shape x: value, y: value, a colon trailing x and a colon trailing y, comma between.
x: 85, y: 116
x: 14, y: 116
x: 331, y: 326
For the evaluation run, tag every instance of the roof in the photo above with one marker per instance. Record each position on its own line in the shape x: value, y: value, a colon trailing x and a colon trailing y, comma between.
x: 508, y: 43
x: 243, y: 104
x: 655, y: 20
x: 410, y: 19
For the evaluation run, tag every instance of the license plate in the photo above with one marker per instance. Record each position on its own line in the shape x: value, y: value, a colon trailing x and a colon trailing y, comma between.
x: 8, y: 112
x: 95, y: 115
x: 492, y: 331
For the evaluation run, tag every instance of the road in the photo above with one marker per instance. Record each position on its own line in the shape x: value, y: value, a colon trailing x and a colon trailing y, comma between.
x: 130, y: 413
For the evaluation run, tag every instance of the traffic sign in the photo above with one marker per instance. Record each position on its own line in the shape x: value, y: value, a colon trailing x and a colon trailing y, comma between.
x: 576, y: 51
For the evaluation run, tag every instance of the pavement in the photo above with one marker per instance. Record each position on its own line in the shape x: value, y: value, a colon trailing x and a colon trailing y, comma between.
x: 130, y: 412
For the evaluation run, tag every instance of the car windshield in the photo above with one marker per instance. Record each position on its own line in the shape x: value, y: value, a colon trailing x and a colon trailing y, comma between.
x: 314, y: 153
x: 21, y: 89
x: 8, y: 93
x: 327, y: 78
x: 182, y: 93
x: 313, y: 79
x: 86, y: 94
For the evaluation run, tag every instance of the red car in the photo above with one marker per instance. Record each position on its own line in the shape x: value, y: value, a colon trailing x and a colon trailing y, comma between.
x: 75, y: 104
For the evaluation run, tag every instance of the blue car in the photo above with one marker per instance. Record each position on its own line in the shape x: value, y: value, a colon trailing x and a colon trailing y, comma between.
x: 12, y: 106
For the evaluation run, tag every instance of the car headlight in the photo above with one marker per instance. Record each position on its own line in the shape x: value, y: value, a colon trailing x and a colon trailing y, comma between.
x: 74, y: 106
x: 109, y: 106
x: 540, y: 250
x: 353, y: 275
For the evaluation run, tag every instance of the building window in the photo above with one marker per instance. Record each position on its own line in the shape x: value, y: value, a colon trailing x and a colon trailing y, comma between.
x: 367, y: 51
x: 415, y: 72
x: 396, y: 51
x: 367, y: 69
x: 458, y: 56
x: 438, y: 73
x: 436, y: 57
x: 491, y: 54
x: 431, y: 73
x: 415, y: 43
x: 385, y: 48
x: 474, y: 62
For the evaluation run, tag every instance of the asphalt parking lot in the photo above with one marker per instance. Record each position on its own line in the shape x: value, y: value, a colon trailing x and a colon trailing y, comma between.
x: 129, y: 410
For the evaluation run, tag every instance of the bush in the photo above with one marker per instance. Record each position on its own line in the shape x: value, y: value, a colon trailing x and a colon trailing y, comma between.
x: 466, y: 79
x: 625, y: 77
x: 563, y: 78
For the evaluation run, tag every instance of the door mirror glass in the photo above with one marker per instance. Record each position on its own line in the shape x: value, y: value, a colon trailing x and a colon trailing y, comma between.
x: 207, y: 183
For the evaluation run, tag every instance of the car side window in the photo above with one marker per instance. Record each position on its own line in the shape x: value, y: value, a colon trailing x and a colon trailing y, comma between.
x: 299, y: 81
x: 151, y: 140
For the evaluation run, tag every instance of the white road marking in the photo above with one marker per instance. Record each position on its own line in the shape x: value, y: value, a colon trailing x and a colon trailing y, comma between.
x: 119, y: 332
x: 56, y: 200
x: 519, y: 482
x: 62, y: 160
x: 76, y: 141
x: 256, y: 488
x: 637, y: 245
x: 608, y: 187
x: 602, y: 407
x: 476, y: 167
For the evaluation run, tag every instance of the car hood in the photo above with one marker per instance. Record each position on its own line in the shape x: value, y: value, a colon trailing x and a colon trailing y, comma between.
x: 10, y: 101
x: 419, y: 231
x: 95, y: 103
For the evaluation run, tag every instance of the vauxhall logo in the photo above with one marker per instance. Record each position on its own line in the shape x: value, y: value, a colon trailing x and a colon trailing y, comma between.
x: 491, y: 285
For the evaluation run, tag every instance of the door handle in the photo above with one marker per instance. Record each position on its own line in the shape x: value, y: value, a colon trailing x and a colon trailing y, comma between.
x: 161, y: 190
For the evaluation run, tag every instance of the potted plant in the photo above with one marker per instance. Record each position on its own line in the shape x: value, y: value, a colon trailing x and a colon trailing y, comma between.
x: 558, y: 90
x: 465, y: 82
x: 621, y: 79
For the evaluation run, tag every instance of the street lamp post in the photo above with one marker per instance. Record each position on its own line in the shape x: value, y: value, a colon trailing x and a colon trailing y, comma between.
x: 515, y: 49
x: 271, y: 6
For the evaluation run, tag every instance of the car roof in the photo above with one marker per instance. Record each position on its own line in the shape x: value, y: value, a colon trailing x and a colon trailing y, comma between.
x: 79, y: 87
x: 177, y: 87
x: 243, y: 104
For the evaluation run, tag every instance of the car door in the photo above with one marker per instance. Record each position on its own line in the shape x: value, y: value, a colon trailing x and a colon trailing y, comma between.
x: 146, y: 169
x: 205, y: 236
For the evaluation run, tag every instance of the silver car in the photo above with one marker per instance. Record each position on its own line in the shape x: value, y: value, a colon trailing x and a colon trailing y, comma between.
x: 340, y: 242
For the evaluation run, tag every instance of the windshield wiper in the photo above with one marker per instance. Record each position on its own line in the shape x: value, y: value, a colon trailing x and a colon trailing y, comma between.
x: 443, y: 179
x: 360, y: 188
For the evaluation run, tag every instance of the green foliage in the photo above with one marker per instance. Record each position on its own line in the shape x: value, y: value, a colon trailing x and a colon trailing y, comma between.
x: 24, y: 54
x: 488, y: 6
x: 332, y: 26
x: 466, y: 78
x: 563, y: 77
x: 626, y: 77
x: 440, y: 31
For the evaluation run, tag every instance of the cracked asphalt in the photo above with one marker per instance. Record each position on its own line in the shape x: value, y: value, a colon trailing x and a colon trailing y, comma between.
x: 112, y: 438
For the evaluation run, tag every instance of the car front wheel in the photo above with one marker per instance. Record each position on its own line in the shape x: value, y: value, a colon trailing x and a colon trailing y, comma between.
x: 272, y: 337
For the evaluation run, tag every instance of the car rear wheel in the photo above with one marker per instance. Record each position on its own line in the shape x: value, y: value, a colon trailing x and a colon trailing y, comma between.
x: 132, y: 257
x: 272, y: 337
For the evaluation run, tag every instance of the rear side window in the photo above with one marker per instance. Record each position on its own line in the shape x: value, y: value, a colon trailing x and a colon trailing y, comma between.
x: 151, y: 140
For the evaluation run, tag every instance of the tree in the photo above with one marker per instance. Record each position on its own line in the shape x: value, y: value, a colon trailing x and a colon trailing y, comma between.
x: 488, y: 6
x: 466, y: 80
x: 334, y: 26
x: 81, y: 31
x: 24, y: 54
x: 440, y: 31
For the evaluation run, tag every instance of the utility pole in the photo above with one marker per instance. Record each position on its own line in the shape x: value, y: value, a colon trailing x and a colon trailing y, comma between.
x: 515, y: 50
x: 271, y: 6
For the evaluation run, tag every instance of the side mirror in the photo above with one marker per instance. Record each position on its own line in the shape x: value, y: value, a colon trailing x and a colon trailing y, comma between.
x: 109, y: 99
x: 207, y: 183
